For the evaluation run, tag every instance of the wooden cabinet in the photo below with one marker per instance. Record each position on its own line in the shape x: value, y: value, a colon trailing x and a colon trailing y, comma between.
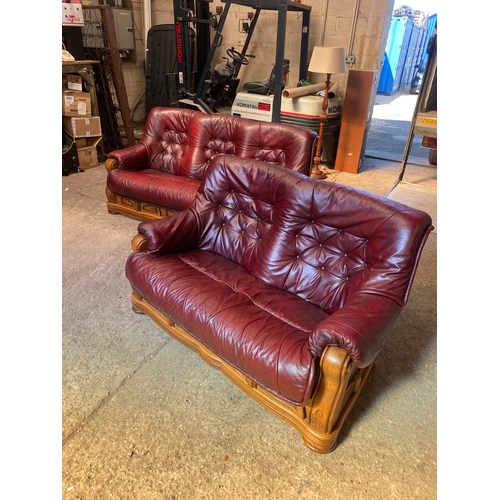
x: 356, y: 116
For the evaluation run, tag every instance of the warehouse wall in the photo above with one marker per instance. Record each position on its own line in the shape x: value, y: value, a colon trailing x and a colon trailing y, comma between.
x: 361, y: 26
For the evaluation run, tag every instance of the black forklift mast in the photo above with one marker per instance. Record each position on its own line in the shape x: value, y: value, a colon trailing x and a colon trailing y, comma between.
x: 185, y: 13
x: 201, y: 92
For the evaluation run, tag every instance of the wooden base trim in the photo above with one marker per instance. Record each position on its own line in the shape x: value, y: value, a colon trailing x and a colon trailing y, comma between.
x: 319, y: 422
x: 137, y: 209
x: 118, y: 204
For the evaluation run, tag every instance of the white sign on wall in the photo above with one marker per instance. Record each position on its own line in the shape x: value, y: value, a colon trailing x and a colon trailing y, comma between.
x: 72, y: 14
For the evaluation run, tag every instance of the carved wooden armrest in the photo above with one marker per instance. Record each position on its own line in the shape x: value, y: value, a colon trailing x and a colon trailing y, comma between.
x: 111, y: 164
x: 139, y: 243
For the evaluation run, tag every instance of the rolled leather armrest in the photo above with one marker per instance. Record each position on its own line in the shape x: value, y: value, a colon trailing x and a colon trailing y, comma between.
x: 360, y: 327
x: 177, y: 233
x: 132, y: 158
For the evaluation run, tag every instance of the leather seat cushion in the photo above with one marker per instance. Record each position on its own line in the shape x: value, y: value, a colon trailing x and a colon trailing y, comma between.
x: 151, y: 186
x: 258, y: 329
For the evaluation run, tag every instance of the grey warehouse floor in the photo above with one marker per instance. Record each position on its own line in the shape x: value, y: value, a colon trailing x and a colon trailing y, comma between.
x: 145, y: 418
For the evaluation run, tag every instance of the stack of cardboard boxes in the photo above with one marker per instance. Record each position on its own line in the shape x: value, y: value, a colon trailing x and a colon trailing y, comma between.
x: 78, y: 122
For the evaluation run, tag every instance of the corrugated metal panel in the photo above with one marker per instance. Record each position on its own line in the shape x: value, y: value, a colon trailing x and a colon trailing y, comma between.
x: 386, y: 79
x: 395, y: 55
x: 408, y: 25
x: 431, y: 26
x: 414, y: 55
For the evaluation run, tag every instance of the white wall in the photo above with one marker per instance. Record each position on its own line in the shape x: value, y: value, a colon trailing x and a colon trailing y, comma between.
x: 359, y: 25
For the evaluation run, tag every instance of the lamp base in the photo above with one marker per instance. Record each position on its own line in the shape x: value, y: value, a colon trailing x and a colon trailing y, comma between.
x: 316, y: 173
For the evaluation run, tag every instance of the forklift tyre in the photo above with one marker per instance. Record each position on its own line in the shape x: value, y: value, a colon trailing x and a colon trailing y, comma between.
x: 433, y: 157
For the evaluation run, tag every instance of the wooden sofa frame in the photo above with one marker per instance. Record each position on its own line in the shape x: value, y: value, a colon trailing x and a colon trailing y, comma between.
x: 140, y: 210
x: 321, y: 420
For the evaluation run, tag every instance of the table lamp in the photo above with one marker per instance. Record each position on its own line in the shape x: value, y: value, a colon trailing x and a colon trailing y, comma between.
x: 325, y: 60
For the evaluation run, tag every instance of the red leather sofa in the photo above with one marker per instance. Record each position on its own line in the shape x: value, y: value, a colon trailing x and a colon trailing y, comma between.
x: 287, y: 284
x: 160, y: 174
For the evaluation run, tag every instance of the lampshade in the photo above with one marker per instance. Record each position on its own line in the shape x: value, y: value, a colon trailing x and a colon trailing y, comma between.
x: 327, y: 60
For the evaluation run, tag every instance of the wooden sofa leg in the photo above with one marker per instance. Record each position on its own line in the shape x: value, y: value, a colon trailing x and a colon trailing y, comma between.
x: 136, y: 302
x: 339, y: 385
x: 111, y: 201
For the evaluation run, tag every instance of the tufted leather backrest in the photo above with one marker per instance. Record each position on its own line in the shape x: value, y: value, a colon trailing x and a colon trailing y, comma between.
x: 166, y: 137
x: 183, y: 141
x: 285, y: 145
x: 318, y: 240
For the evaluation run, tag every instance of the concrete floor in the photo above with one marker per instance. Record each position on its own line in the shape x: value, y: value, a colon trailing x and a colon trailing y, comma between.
x: 144, y: 418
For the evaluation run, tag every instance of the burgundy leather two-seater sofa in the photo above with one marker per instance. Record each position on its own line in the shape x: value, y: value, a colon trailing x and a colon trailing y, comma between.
x: 287, y: 284
x: 159, y: 175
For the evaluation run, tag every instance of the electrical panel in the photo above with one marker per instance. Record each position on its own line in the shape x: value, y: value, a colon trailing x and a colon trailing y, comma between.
x: 94, y: 31
x: 124, y: 27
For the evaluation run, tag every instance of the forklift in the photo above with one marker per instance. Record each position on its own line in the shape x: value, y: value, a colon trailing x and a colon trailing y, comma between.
x: 209, y: 90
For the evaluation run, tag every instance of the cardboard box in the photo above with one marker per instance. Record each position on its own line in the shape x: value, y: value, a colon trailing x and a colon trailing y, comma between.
x: 72, y: 82
x: 85, y: 142
x: 87, y: 155
x: 75, y: 103
x: 81, y: 143
x: 82, y: 127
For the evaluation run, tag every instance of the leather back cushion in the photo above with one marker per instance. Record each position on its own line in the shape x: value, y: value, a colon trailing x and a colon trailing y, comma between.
x: 182, y: 141
x: 166, y: 136
x: 285, y: 145
x: 318, y: 240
